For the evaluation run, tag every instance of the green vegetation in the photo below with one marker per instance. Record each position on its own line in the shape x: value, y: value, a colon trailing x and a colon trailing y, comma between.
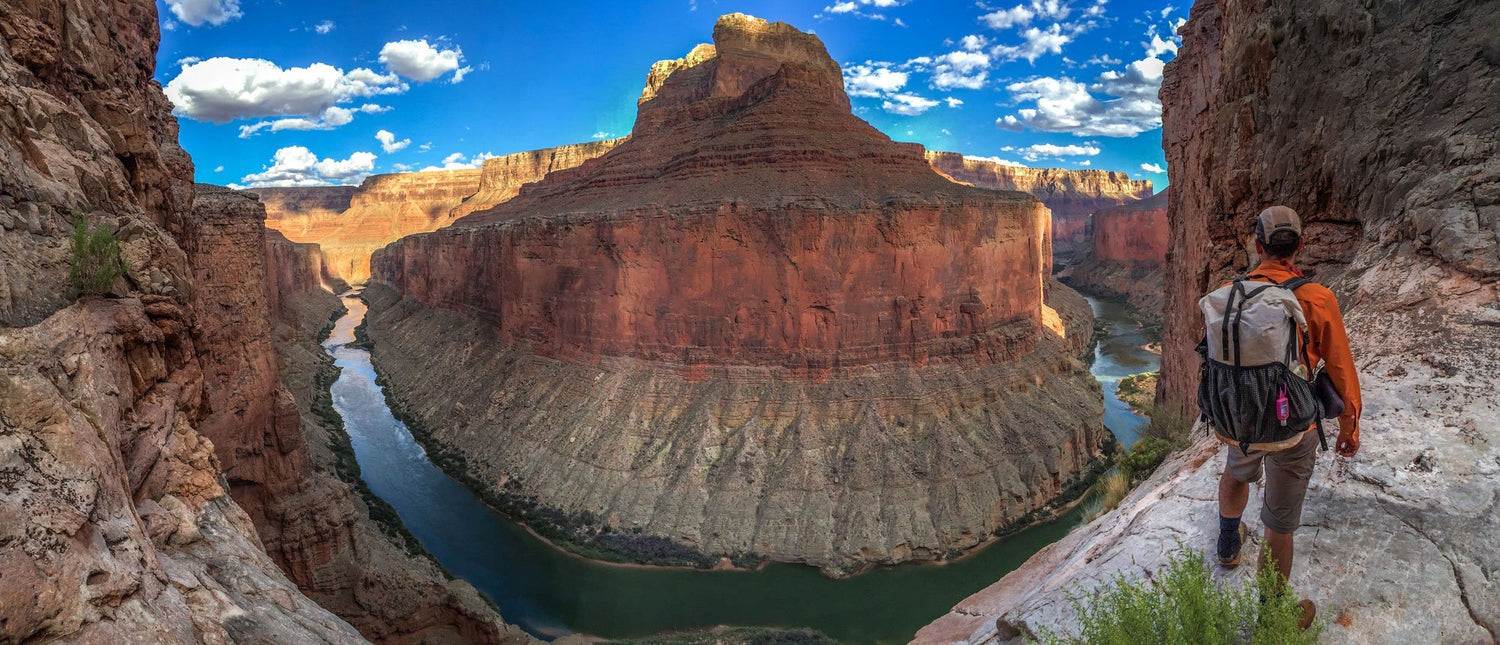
x: 1169, y: 426
x: 1143, y: 458
x: 735, y: 636
x: 96, y: 258
x: 1182, y: 604
x: 1138, y: 391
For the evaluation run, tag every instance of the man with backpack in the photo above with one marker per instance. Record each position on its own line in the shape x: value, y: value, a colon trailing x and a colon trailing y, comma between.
x: 1276, y: 362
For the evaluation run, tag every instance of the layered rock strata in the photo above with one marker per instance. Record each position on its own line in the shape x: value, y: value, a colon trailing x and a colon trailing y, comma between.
x: 756, y: 326
x: 350, y: 222
x: 281, y: 448
x: 1071, y: 195
x: 1398, y: 178
x: 1128, y: 252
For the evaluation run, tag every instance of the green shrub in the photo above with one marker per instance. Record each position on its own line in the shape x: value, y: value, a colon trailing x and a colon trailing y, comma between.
x: 1143, y: 458
x: 1108, y: 494
x: 1168, y: 426
x: 96, y: 258
x: 1182, y: 604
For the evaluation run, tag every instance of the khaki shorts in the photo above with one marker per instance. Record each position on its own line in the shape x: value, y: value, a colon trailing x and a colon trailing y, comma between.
x: 1287, y: 473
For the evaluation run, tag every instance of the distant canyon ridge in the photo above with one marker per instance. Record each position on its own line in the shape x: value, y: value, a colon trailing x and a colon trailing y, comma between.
x: 350, y: 222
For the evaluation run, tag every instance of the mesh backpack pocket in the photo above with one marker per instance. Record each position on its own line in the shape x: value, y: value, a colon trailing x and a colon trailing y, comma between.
x: 1251, y: 387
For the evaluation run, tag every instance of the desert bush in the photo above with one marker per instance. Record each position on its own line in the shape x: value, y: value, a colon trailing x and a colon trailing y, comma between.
x: 1169, y: 426
x: 96, y: 258
x: 1143, y: 458
x: 1182, y: 604
x: 1108, y: 494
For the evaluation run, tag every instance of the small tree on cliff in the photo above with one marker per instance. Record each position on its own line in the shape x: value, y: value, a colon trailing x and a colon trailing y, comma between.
x: 96, y: 257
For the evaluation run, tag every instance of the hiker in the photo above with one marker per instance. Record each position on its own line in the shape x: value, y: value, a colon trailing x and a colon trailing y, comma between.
x: 1274, y: 366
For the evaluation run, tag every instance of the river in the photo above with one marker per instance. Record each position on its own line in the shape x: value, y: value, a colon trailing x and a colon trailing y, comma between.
x: 550, y: 593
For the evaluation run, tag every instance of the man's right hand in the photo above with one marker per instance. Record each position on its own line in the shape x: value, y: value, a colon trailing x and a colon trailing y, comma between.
x: 1347, y: 445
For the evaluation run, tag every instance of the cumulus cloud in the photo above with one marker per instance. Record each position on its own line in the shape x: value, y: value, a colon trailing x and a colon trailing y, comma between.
x: 420, y: 61
x: 873, y: 79
x: 200, y: 12
x: 1066, y: 105
x: 966, y: 69
x: 323, y: 27
x: 298, y: 166
x: 331, y: 118
x: 1086, y: 162
x: 1035, y: 43
x: 1007, y: 18
x: 1153, y: 168
x: 907, y: 104
x: 1023, y: 14
x: 1103, y: 59
x: 860, y: 8
x: 601, y: 135
x: 224, y: 89
x: 1037, y: 151
x: 388, y: 141
x: 996, y: 160
x: 953, y: 103
x: 457, y: 161
x: 219, y: 169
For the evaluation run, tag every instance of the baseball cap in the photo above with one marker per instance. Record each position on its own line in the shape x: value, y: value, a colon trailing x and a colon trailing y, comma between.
x: 1276, y: 219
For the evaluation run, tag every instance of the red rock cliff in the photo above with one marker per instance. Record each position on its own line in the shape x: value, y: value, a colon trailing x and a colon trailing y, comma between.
x: 501, y: 178
x: 1072, y: 195
x: 758, y: 316
x: 1126, y: 257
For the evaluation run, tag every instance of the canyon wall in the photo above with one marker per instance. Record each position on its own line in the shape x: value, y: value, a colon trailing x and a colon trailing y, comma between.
x: 114, y: 523
x: 350, y: 222
x: 1397, y: 175
x: 1126, y: 257
x: 757, y: 327
x: 1072, y: 195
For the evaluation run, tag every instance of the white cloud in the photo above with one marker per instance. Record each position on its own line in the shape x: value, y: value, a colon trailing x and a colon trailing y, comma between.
x: 388, y: 141
x: 842, y: 7
x: 908, y: 104
x: 1037, y: 42
x: 860, y: 8
x: 996, y: 160
x: 1086, y: 162
x: 224, y: 89
x: 873, y: 79
x: 1157, y: 46
x: 1153, y: 168
x: 967, y: 69
x: 1037, y: 151
x: 953, y: 103
x: 1007, y: 18
x: 1066, y: 105
x: 602, y: 135
x: 457, y: 161
x: 219, y: 169
x: 298, y: 166
x: 331, y: 118
x: 1103, y: 59
x: 420, y: 61
x: 1167, y: 10
x: 200, y: 12
x: 324, y: 27
x: 973, y: 43
x: 424, y: 147
x: 169, y: 25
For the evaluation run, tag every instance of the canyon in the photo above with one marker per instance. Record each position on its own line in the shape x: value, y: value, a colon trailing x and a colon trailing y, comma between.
x: 1126, y: 257
x: 755, y: 329
x: 350, y: 222
x: 1072, y: 195
x: 164, y: 475
x: 1397, y: 178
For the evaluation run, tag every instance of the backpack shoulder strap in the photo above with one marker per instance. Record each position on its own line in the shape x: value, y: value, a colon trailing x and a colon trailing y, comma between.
x: 1294, y: 283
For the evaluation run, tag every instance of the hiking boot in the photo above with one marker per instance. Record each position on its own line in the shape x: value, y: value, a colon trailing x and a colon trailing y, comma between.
x: 1309, y: 611
x: 1229, y: 546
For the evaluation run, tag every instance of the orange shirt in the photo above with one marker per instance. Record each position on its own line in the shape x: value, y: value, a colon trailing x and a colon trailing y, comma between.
x: 1327, y: 339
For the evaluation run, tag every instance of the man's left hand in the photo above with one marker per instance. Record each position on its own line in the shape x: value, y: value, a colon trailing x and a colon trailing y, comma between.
x: 1347, y: 445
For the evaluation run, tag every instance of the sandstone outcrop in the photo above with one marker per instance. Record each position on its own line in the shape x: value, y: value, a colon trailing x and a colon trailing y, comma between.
x: 114, y: 525
x: 1072, y: 195
x: 1125, y: 260
x: 1398, y: 177
x: 350, y: 222
x: 757, y: 326
x: 149, y: 452
x: 381, y: 209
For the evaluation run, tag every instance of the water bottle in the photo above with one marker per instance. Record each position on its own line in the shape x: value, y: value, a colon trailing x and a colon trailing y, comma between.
x: 1283, y: 407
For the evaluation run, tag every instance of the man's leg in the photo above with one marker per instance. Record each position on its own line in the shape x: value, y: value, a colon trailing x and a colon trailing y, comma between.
x: 1234, y: 494
x: 1278, y: 548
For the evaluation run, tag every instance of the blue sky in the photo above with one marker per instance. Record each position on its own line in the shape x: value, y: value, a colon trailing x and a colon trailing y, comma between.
x: 271, y: 92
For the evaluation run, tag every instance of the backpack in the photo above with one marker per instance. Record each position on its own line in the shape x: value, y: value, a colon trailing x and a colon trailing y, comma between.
x: 1254, y: 385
